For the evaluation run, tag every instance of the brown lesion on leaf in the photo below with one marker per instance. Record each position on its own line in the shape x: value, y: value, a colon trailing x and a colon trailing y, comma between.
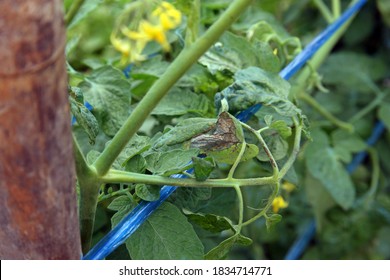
x: 223, y: 136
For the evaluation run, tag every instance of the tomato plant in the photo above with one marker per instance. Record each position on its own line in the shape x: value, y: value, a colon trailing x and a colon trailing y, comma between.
x: 157, y: 88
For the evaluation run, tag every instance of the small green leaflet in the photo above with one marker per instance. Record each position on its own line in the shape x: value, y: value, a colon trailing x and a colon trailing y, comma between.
x: 271, y: 221
x: 166, y: 235
x: 123, y: 205
x: 86, y: 8
x: 107, y: 90
x: 220, y: 252
x: 203, y: 167
x: 210, y: 222
x: 85, y: 119
x: 171, y: 162
x: 147, y: 193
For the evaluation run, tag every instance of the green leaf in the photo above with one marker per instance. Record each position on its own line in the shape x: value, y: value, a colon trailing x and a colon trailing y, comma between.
x: 123, y: 205
x: 146, y: 192
x: 203, y: 167
x: 220, y: 252
x: 92, y: 156
x: 233, y: 53
x: 229, y: 155
x: 210, y: 222
x: 254, y: 85
x: 166, y: 235
x: 322, y: 162
x: 191, y: 198
x: 108, y: 92
x: 171, y: 162
x: 184, y: 131
x: 384, y: 114
x: 87, y: 7
x: 358, y: 73
x: 384, y: 8
x: 136, y: 164
x: 137, y: 145
x: 319, y: 198
x: 182, y: 101
x: 277, y: 146
x: 272, y: 220
x: 85, y: 119
x: 346, y: 143
x: 282, y: 128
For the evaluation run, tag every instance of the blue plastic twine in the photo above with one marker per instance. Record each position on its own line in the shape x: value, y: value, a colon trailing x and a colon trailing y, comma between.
x: 140, y: 214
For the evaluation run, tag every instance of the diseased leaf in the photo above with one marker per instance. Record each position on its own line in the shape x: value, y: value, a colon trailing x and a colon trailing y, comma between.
x: 166, y: 235
x: 210, y: 222
x: 171, y: 162
x: 184, y: 131
x: 322, y: 162
x: 220, y: 252
x: 108, y: 92
x: 253, y: 86
x: 229, y: 155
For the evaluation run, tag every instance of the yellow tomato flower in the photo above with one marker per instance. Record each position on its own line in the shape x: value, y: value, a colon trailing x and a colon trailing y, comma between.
x: 168, y: 15
x: 289, y: 187
x: 279, y: 203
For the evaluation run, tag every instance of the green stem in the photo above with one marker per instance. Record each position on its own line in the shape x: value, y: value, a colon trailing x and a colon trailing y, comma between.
x: 296, y: 147
x: 299, y: 83
x: 336, y: 8
x: 325, y: 113
x: 266, y: 208
x: 372, y: 105
x: 326, y: 13
x: 89, y: 188
x: 193, y: 24
x: 238, y: 159
x: 117, y: 176
x: 73, y: 10
x: 272, y: 160
x: 240, y: 208
x: 173, y: 73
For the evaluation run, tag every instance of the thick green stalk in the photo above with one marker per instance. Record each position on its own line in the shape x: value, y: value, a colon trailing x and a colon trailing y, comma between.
x: 174, y: 72
x: 73, y: 10
x: 89, y: 187
x: 299, y: 82
x: 117, y: 176
x: 326, y: 13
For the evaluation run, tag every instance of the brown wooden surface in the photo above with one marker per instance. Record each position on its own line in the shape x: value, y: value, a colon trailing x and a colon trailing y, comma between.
x: 38, y: 215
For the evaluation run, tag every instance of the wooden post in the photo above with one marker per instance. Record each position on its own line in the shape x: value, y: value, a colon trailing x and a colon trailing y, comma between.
x: 38, y: 215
